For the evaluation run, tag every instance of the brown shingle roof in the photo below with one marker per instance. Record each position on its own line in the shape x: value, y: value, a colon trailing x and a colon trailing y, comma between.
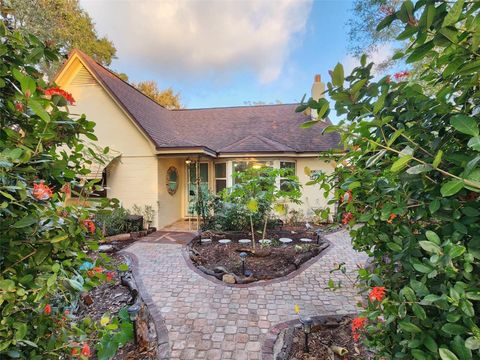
x: 243, y: 129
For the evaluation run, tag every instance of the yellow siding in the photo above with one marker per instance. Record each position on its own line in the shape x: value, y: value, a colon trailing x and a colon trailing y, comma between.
x: 170, y: 206
x: 134, y: 178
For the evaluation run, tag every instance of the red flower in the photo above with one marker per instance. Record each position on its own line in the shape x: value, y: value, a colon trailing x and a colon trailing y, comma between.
x: 377, y: 293
x: 86, y: 350
x: 89, y: 224
x: 357, y: 323
x: 391, y: 218
x: 110, y: 276
x: 28, y: 93
x: 347, y: 197
x: 18, y: 106
x: 47, y: 310
x: 98, y: 269
x: 41, y: 191
x: 346, y: 218
x: 401, y: 75
x: 74, y: 352
x: 58, y: 91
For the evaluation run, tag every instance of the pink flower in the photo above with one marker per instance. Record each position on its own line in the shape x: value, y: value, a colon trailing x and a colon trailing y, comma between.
x: 86, y: 350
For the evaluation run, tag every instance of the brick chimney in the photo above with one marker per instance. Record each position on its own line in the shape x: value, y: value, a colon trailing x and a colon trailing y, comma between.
x: 318, y: 87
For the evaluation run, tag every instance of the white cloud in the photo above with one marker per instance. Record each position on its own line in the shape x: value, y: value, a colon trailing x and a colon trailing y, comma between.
x: 192, y: 37
x: 381, y: 54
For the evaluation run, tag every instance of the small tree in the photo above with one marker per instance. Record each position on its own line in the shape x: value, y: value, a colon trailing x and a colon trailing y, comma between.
x: 257, y: 190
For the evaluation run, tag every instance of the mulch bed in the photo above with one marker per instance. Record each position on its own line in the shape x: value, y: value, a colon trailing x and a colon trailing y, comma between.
x: 110, y: 298
x: 266, y: 262
x: 321, y: 340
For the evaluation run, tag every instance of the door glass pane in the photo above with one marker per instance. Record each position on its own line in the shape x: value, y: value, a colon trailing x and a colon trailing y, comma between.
x: 192, y: 187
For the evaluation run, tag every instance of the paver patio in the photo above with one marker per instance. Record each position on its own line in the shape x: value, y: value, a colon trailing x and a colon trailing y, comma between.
x: 207, y: 320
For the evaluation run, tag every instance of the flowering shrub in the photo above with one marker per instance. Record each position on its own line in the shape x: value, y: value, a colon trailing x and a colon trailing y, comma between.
x: 43, y: 240
x: 412, y: 170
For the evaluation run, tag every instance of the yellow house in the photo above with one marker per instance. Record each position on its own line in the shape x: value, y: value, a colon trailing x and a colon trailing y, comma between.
x: 164, y: 156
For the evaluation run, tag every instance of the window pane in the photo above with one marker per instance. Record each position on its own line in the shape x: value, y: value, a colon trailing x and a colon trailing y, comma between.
x: 288, y: 165
x: 221, y: 170
x: 220, y: 185
x: 285, y: 185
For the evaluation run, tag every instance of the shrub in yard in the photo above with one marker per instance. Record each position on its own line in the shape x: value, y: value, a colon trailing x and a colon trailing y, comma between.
x: 113, y: 222
x: 411, y: 177
x: 43, y: 240
x: 256, y: 194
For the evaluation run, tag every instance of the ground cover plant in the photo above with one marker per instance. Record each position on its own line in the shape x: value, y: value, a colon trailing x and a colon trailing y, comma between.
x: 44, y: 241
x: 411, y: 177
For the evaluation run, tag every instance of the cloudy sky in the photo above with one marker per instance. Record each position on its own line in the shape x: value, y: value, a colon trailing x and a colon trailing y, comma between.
x: 226, y: 53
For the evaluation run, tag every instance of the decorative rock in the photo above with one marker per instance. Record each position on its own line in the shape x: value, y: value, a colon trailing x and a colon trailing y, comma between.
x: 205, y: 241
x: 229, y: 278
x: 220, y: 269
x: 307, y: 240
x: 285, y: 240
x: 265, y: 241
x: 244, y: 241
x: 224, y: 241
x: 105, y: 248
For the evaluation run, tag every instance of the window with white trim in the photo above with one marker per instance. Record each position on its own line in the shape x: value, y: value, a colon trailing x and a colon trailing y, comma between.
x: 291, y: 166
x: 220, y: 177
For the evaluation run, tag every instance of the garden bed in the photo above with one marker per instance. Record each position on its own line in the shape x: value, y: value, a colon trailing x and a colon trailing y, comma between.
x: 270, y: 260
x: 330, y: 336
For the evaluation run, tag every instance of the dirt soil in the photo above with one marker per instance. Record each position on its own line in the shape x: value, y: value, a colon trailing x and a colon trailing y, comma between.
x: 321, y: 340
x: 267, y: 262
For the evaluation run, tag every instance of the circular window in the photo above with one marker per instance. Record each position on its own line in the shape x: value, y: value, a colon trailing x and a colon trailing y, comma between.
x: 172, y: 180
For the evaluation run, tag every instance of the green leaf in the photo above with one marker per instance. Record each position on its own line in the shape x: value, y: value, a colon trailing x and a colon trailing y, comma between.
x: 451, y: 187
x: 432, y: 236
x: 309, y: 124
x: 421, y: 267
x: 420, y: 52
x: 456, y: 251
x: 58, y: 238
x: 26, y: 221
x: 21, y: 330
x: 446, y: 354
x: 409, y: 327
x: 379, y: 103
x: 430, y: 15
x: 437, y: 159
x: 400, y: 163
x: 434, y: 206
x: 430, y: 247
x: 454, y: 329
x: 39, y: 110
x: 123, y: 267
x: 472, y: 343
x: 418, y: 169
x: 453, y: 14
x: 465, y: 124
x: 338, y: 76
x: 474, y: 143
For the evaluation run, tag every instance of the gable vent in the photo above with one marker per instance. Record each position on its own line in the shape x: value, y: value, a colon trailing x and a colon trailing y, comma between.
x: 83, y: 77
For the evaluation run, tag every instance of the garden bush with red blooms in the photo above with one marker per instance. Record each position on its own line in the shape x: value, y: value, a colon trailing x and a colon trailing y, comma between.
x: 412, y: 170
x: 43, y: 240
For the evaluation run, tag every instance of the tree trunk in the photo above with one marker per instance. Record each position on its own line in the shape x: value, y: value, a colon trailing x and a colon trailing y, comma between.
x: 265, y: 226
x: 253, y: 233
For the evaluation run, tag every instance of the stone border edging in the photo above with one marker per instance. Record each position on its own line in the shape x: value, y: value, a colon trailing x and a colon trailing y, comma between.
x: 268, y: 346
x: 163, y: 347
x: 294, y: 273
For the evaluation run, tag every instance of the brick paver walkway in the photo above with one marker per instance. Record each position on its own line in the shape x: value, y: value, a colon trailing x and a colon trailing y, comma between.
x: 206, y: 320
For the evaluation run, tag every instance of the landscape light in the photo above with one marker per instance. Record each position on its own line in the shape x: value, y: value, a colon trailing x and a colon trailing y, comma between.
x: 243, y: 256
x: 307, y: 329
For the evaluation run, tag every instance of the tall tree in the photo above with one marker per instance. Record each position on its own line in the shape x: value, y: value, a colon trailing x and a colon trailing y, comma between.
x: 167, y: 98
x: 63, y: 24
